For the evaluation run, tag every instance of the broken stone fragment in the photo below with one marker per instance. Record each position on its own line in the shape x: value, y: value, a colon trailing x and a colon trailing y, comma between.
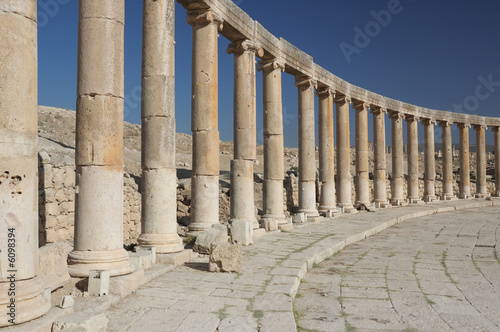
x: 211, y: 237
x: 225, y: 257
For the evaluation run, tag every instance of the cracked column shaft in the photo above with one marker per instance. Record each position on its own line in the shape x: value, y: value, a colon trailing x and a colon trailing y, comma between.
x: 496, y: 130
x: 380, y: 159
x: 343, y: 153
x: 429, y: 160
x: 481, y: 186
x: 447, y: 160
x: 464, y: 160
x: 413, y: 171
x: 362, y: 165
x: 397, y: 182
x: 326, y: 151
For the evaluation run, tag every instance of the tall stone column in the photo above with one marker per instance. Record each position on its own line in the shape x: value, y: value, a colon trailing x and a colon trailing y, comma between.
x: 481, y: 188
x: 464, y: 160
x: 245, y: 132
x: 307, y: 147
x: 362, y: 166
x: 429, y: 160
x: 496, y: 130
x: 204, y: 120
x: 159, y: 174
x: 447, y: 160
x: 326, y: 151
x: 380, y: 160
x: 343, y: 154
x: 397, y: 158
x: 19, y: 164
x: 412, y: 132
x: 274, y: 162
x: 99, y: 141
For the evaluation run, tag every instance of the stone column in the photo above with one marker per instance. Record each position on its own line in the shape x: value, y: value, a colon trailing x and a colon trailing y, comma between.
x: 397, y: 158
x: 19, y: 164
x: 159, y: 174
x: 343, y: 154
x: 362, y: 166
x: 245, y: 132
x: 99, y: 141
x: 204, y: 121
x: 326, y: 151
x: 481, y: 188
x: 274, y: 162
x: 429, y: 160
x: 464, y: 160
x: 307, y: 147
x: 413, y: 171
x: 447, y: 160
x: 380, y: 163
x: 496, y: 130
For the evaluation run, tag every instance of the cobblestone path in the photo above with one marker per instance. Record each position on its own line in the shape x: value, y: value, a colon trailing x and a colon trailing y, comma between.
x: 436, y: 273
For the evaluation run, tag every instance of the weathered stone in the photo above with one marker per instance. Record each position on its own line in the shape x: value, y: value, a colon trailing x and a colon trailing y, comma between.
x: 82, y: 322
x: 67, y: 301
x: 213, y: 236
x: 225, y: 257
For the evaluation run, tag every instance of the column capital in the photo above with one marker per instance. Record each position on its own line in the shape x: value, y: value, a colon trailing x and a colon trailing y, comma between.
x: 200, y: 17
x: 495, y: 129
x: 360, y: 105
x: 271, y: 64
x: 326, y: 92
x: 305, y: 80
x: 445, y: 123
x: 480, y: 127
x: 396, y: 115
x: 412, y: 118
x: 342, y: 99
x: 463, y: 125
x: 374, y: 109
x: 429, y: 122
x: 245, y: 45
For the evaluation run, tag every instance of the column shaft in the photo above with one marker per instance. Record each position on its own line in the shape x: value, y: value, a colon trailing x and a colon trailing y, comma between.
x: 412, y: 132
x: 19, y: 164
x: 447, y: 161
x: 429, y: 157
x: 307, y: 147
x: 481, y: 187
x: 397, y: 158
x: 99, y: 141
x: 204, y: 120
x: 343, y: 153
x: 362, y: 165
x: 380, y: 162
x: 496, y: 130
x: 274, y: 162
x: 242, y: 184
x: 159, y: 174
x: 464, y: 160
x: 326, y: 151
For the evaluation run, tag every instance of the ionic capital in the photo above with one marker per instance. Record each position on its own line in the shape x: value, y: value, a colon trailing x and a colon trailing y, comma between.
x: 326, y: 92
x: 396, y: 115
x: 305, y: 81
x: 412, y: 118
x: 463, y: 125
x: 429, y: 122
x: 271, y: 64
x: 377, y: 110
x: 202, y: 17
x: 360, y: 105
x: 243, y: 46
x: 445, y: 123
x: 342, y: 99
x: 480, y: 127
x: 495, y: 129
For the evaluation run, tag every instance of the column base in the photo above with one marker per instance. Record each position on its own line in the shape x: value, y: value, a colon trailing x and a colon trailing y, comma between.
x: 448, y: 197
x: 430, y: 199
x: 415, y: 200
x: 481, y: 195
x: 242, y: 231
x: 29, y: 301
x: 197, y: 228
x: 80, y: 263
x: 398, y: 202
x: 348, y: 209
x: 382, y: 204
x: 164, y: 243
x: 310, y: 213
x: 465, y: 196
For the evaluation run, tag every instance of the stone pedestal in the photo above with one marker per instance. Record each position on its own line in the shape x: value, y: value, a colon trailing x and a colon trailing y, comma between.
x: 362, y: 166
x: 397, y: 181
x: 380, y: 162
x: 159, y: 174
x: 496, y: 130
x: 429, y: 160
x: 464, y: 161
x: 307, y: 147
x: 274, y: 169
x: 19, y: 164
x: 242, y: 184
x: 447, y: 160
x: 343, y: 154
x: 204, y: 120
x: 99, y: 142
x: 412, y: 132
x: 326, y: 151
x: 482, y: 189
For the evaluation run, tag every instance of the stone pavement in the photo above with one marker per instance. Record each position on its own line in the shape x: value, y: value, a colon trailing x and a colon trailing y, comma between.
x: 261, y: 297
x: 435, y: 274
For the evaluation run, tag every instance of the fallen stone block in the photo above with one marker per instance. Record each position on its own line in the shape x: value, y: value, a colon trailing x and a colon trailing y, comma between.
x: 225, y: 257
x: 211, y: 237
x: 52, y: 266
x: 82, y: 322
x: 242, y: 232
x: 67, y: 301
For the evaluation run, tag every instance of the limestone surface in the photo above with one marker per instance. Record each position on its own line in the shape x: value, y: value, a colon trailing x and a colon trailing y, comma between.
x: 213, y: 236
x: 225, y: 257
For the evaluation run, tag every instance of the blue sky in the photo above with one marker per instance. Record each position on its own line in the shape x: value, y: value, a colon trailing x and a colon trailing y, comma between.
x: 430, y: 53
